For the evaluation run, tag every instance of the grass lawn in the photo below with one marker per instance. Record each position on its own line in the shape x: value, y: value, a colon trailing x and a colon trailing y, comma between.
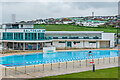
x: 63, y: 27
x: 102, y: 73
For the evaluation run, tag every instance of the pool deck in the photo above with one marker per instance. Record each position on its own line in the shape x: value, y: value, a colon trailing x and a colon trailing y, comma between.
x: 28, y: 52
x: 56, y: 72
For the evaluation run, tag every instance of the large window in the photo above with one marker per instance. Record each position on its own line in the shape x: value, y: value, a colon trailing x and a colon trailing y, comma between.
x: 92, y: 41
x: 61, y: 41
x: 7, y: 36
x: 41, y: 36
x: 75, y: 42
x: 4, y: 36
x: 30, y: 36
x: 18, y: 36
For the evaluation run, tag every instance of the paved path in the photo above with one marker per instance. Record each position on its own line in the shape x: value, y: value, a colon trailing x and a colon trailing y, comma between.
x: 37, y: 72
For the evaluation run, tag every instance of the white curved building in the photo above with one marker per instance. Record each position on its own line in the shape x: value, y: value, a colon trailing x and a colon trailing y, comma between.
x: 25, y: 37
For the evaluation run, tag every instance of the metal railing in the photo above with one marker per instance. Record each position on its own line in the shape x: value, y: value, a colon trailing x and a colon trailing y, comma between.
x: 46, y: 38
x: 73, y: 38
x: 53, y: 68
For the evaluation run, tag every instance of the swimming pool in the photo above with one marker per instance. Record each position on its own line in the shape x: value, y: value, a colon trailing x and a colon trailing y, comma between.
x: 55, y: 57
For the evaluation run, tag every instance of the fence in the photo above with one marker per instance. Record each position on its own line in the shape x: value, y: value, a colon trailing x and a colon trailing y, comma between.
x: 57, y: 68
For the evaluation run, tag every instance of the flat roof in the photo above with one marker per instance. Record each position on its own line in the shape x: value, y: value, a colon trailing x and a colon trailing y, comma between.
x: 79, y: 40
x: 18, y: 23
x: 26, y: 41
x: 32, y: 41
x: 72, y: 32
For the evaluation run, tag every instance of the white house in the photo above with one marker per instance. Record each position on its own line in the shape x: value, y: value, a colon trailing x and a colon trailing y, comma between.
x: 67, y: 22
x: 93, y: 23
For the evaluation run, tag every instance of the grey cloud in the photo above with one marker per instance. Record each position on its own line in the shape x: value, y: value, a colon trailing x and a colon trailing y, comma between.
x: 33, y: 10
x: 86, y: 5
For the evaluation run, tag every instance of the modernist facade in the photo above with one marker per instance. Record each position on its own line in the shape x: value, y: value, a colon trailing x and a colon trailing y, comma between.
x: 25, y: 37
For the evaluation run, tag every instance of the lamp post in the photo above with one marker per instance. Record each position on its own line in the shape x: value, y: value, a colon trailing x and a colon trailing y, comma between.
x: 117, y: 25
x: 91, y: 54
x: 117, y: 33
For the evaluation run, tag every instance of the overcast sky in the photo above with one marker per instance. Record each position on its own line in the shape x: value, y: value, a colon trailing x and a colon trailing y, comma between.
x: 36, y: 10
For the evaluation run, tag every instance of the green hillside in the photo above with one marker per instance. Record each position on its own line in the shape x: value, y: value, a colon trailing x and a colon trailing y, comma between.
x: 63, y: 27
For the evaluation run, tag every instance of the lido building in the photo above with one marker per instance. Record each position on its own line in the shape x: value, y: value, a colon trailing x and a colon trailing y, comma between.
x: 26, y: 37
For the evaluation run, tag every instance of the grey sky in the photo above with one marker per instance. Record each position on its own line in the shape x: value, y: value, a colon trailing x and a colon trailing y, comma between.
x: 59, y: 0
x: 36, y: 10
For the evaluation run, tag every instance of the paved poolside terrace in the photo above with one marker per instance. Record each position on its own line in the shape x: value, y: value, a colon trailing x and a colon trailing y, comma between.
x: 40, y: 51
x: 43, y: 70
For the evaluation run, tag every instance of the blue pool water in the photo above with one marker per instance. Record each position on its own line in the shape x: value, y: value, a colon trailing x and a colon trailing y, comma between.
x: 46, y: 58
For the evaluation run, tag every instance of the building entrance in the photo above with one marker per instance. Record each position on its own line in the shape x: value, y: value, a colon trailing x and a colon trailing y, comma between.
x: 69, y: 44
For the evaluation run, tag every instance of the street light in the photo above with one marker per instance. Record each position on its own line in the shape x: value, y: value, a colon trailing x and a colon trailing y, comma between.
x: 117, y: 25
x: 91, y: 54
x: 117, y: 33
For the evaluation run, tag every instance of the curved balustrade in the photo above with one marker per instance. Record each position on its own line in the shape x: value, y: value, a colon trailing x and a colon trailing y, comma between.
x: 75, y: 37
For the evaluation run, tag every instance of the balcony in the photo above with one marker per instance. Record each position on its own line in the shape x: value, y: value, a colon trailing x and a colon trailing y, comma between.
x: 46, y: 38
x: 75, y: 37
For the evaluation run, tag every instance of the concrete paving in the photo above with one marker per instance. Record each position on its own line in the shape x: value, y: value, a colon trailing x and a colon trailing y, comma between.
x: 41, y: 70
